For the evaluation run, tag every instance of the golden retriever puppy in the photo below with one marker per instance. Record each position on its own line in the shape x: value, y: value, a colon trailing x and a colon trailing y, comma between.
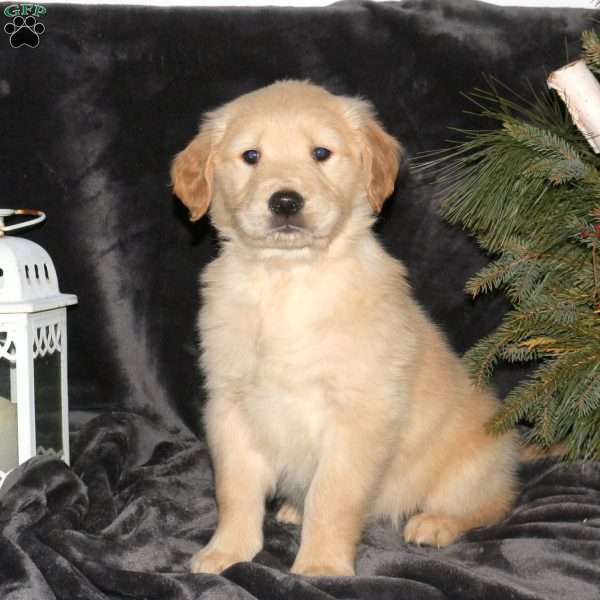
x: 327, y: 383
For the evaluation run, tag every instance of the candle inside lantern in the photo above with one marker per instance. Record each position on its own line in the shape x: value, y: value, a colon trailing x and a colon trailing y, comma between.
x: 8, y: 435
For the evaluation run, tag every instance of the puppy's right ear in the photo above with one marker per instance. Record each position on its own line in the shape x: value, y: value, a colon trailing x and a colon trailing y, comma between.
x: 192, y: 171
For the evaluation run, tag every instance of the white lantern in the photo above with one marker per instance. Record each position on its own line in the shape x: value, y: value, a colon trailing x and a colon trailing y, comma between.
x: 34, y: 417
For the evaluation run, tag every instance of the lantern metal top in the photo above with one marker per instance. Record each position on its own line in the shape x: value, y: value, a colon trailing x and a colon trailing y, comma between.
x: 38, y: 215
x: 28, y: 281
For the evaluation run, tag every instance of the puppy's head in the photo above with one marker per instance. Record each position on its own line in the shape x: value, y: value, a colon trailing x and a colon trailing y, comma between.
x: 288, y: 166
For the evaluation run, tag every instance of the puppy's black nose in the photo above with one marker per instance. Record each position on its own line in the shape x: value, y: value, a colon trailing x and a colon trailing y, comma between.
x: 286, y: 203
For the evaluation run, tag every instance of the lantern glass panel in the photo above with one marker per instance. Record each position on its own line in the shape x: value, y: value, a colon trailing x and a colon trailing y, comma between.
x: 48, y: 416
x: 8, y: 418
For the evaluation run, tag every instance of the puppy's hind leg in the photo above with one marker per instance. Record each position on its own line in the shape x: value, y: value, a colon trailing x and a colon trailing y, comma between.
x: 473, y: 493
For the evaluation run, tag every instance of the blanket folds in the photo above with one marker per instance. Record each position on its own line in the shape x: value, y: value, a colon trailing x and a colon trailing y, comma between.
x: 124, y: 521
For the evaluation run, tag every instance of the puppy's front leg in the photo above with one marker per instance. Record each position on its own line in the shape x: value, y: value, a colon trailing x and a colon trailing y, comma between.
x: 242, y: 482
x: 336, y: 504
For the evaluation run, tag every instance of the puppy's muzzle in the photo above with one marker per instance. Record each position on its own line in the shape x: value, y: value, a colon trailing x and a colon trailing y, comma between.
x: 286, y: 203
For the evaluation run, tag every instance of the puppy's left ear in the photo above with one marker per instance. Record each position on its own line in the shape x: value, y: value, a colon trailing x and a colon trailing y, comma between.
x: 382, y: 154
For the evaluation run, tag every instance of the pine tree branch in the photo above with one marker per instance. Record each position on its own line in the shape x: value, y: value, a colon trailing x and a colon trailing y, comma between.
x: 590, y: 41
x: 529, y: 192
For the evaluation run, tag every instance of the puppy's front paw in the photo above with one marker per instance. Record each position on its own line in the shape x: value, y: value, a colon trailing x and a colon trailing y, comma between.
x: 213, y: 560
x: 321, y: 568
x: 432, y: 530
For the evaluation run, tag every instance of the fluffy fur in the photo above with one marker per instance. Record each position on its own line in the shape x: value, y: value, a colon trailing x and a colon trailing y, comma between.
x: 328, y: 384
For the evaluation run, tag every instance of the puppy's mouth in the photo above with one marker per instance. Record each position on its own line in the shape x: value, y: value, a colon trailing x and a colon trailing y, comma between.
x: 288, y: 228
x: 288, y: 236
x: 279, y: 232
x: 288, y: 232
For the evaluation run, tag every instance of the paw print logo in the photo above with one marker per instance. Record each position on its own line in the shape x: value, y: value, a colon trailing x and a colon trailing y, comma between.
x: 24, y: 31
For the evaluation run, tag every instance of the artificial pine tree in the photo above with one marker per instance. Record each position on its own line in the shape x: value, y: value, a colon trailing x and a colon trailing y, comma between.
x: 529, y: 191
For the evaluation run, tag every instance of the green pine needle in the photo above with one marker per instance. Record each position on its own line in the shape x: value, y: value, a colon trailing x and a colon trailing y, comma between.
x: 590, y: 40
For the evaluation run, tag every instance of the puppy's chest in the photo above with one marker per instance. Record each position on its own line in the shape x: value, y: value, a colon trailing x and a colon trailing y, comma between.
x: 293, y: 357
x: 281, y: 350
x: 280, y: 332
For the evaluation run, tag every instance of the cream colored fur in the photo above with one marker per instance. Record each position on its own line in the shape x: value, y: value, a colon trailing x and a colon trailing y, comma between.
x: 327, y: 383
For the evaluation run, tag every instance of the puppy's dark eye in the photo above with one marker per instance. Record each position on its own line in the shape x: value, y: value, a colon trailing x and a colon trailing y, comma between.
x: 320, y: 154
x: 251, y: 156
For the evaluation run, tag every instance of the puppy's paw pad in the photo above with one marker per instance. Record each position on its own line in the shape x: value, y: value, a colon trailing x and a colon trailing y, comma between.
x: 213, y: 561
x: 289, y: 514
x: 322, y: 569
x: 432, y: 530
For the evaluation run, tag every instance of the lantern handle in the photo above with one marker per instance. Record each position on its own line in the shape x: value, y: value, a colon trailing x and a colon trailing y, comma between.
x: 38, y: 215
